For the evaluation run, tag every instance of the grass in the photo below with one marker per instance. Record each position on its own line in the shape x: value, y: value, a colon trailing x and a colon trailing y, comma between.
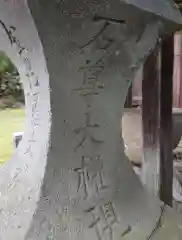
x: 11, y: 120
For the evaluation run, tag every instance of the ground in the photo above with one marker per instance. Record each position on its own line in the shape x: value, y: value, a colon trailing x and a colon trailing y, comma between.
x: 12, y: 120
x: 132, y: 134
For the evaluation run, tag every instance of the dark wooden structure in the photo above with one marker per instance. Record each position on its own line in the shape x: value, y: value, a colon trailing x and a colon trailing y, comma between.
x: 166, y: 99
x: 161, y: 91
x: 177, y: 77
x: 157, y: 119
x: 151, y: 121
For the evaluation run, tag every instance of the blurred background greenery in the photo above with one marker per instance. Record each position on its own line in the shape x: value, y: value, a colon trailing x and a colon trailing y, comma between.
x: 12, y: 113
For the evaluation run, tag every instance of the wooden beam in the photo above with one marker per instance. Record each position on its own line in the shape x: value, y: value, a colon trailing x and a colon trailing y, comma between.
x: 151, y: 122
x: 166, y: 96
x: 177, y: 76
x: 157, y: 121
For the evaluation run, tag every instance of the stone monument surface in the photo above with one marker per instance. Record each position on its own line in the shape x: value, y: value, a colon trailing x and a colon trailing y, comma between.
x: 69, y: 178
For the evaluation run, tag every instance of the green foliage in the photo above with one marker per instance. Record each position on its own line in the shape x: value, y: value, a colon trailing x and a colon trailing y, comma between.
x: 5, y: 64
x: 10, y: 84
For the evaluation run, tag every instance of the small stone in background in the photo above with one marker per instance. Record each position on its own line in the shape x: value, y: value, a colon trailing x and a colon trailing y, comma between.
x: 17, y: 137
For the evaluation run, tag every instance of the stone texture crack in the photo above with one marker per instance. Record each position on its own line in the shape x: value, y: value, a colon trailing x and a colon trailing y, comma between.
x: 158, y: 224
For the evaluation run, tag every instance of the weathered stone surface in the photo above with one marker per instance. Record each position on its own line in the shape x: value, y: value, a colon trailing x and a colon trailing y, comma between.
x: 71, y: 180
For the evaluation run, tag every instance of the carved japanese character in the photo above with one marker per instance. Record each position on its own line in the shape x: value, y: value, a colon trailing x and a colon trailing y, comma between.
x: 103, y: 220
x: 104, y: 41
x: 35, y: 121
x: 85, y: 132
x: 30, y: 141
x: 91, y: 72
x: 7, y: 31
x: 98, y: 177
x: 89, y: 177
x: 83, y: 177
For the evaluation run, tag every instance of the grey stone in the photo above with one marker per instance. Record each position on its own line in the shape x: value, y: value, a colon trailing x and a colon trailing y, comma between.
x: 70, y: 178
x: 17, y: 137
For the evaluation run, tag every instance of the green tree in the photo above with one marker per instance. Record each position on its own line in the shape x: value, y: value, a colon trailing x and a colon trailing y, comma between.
x: 10, y: 84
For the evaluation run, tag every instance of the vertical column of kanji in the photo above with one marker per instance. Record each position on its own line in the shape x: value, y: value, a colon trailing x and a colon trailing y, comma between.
x: 91, y: 182
x: 21, y: 176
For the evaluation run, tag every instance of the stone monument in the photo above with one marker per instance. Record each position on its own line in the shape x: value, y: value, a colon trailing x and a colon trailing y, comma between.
x: 70, y: 178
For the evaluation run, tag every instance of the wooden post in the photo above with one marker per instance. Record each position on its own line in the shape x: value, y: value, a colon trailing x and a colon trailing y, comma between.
x: 157, y: 121
x: 128, y: 102
x: 151, y: 122
x: 177, y: 76
x: 166, y: 99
